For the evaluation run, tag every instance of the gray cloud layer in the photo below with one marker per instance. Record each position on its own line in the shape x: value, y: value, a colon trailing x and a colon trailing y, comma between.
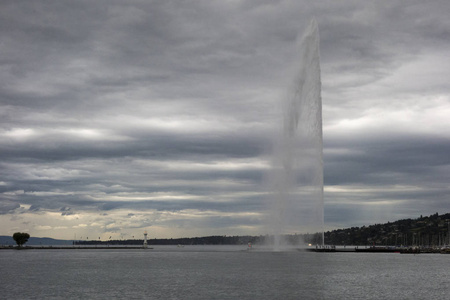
x: 124, y: 115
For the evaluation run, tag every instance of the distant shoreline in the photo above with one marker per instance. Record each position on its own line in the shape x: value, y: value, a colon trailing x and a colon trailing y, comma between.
x: 400, y: 250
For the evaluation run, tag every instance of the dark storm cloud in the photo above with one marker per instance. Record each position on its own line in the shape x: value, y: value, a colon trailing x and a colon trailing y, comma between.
x: 7, y: 206
x: 409, y: 155
x: 172, y: 106
x: 249, y: 205
x: 162, y: 145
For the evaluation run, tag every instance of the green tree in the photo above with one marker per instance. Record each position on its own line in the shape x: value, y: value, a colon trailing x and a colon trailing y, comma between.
x: 21, y: 238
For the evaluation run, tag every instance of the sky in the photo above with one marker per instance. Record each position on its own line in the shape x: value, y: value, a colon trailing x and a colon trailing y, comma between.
x: 119, y: 117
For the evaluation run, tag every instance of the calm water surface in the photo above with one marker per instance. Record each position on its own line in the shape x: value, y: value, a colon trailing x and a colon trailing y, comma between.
x: 220, y: 273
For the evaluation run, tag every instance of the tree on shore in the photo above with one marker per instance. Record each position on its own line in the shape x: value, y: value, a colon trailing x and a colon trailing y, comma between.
x: 21, y: 238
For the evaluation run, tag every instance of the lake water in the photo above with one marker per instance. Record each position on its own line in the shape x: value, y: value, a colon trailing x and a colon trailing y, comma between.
x: 220, y: 272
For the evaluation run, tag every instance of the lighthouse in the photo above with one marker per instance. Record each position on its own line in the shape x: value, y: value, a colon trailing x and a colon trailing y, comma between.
x: 145, y: 240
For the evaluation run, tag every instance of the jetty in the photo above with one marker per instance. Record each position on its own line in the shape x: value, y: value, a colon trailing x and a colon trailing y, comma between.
x: 74, y: 248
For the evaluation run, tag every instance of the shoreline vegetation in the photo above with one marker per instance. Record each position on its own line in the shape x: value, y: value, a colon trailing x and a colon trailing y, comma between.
x: 429, y: 234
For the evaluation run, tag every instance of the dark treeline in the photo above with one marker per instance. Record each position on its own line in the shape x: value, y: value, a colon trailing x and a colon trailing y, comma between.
x: 424, y: 231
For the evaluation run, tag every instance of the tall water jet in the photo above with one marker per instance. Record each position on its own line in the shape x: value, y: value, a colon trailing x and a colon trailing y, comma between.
x: 297, y: 172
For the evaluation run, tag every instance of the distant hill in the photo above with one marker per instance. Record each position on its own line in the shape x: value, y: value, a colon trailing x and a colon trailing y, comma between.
x: 433, y: 230
x: 35, y: 241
